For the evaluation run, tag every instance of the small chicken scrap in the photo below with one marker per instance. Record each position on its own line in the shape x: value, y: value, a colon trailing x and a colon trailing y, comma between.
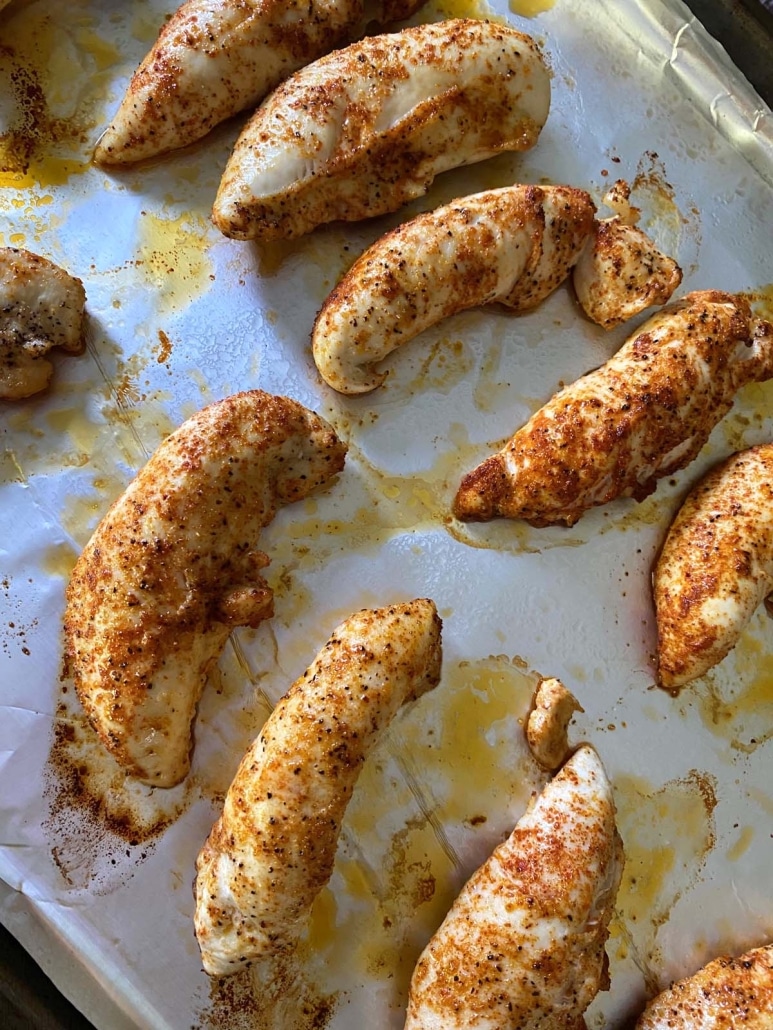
x: 716, y: 566
x: 272, y: 850
x: 548, y: 723
x: 172, y: 568
x: 511, y: 246
x: 621, y: 271
x: 215, y: 58
x: 41, y: 306
x: 523, y: 945
x: 643, y: 415
x: 727, y: 994
x: 364, y: 130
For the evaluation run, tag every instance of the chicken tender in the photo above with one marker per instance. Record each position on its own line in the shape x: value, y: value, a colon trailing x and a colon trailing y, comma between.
x: 272, y: 850
x: 643, y: 415
x: 716, y: 566
x: 173, y: 567
x: 523, y: 945
x: 364, y: 130
x: 727, y: 994
x: 511, y: 246
x: 215, y: 58
x: 41, y: 306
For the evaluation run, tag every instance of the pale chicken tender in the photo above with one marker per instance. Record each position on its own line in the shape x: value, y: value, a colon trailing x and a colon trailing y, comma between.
x: 643, y: 415
x: 715, y: 567
x: 41, y: 307
x: 548, y: 723
x: 523, y: 946
x: 364, y: 130
x: 272, y: 850
x: 727, y: 994
x: 173, y: 567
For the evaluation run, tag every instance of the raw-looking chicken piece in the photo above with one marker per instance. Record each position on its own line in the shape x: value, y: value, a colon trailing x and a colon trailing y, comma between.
x: 173, y: 568
x: 41, y: 306
x: 621, y: 271
x: 523, y: 945
x: 512, y: 246
x: 548, y: 723
x: 716, y: 566
x: 727, y: 994
x: 364, y: 130
x: 642, y: 415
x: 214, y: 58
x: 272, y: 850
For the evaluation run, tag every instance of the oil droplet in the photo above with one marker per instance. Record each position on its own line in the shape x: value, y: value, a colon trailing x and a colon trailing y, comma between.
x: 741, y: 845
x: 59, y: 560
x: 530, y: 8
x: 172, y: 255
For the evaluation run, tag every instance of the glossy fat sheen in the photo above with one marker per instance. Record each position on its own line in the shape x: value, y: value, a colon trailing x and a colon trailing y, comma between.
x: 643, y: 415
x: 272, y: 850
x: 513, y: 246
x: 727, y: 994
x: 366, y: 129
x: 214, y: 58
x: 41, y: 306
x: 621, y: 272
x: 523, y: 944
x: 173, y: 567
x: 716, y: 566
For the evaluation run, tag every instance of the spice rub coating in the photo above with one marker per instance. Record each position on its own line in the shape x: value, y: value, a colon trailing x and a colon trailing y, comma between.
x: 362, y: 131
x: 727, y: 994
x: 523, y: 945
x: 215, y: 58
x: 641, y: 416
x: 272, y: 849
x: 511, y: 246
x: 715, y: 567
x: 173, y: 567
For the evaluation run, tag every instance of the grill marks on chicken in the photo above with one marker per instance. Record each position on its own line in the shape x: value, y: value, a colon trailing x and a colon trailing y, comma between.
x: 215, y: 58
x: 523, y: 945
x: 716, y: 566
x: 643, y: 415
x: 727, y: 994
x: 511, y: 246
x: 362, y: 131
x: 173, y: 567
x: 41, y: 307
x: 272, y: 850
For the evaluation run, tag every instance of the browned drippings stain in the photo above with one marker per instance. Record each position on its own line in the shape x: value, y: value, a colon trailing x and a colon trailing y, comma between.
x: 164, y: 352
x: 667, y: 832
x: 97, y: 817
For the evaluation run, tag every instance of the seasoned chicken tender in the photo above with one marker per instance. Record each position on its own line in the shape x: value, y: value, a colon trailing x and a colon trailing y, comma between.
x: 511, y: 246
x: 173, y: 567
x: 727, y: 994
x: 643, y: 415
x: 366, y: 129
x: 272, y: 850
x: 716, y: 566
x: 41, y: 306
x: 214, y: 58
x: 523, y: 945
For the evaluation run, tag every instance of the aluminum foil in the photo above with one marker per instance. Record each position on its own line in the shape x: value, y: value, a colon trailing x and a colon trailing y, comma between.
x: 97, y: 872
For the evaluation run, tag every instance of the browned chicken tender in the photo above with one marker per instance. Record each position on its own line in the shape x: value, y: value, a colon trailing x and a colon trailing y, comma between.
x: 173, y: 567
x: 641, y: 416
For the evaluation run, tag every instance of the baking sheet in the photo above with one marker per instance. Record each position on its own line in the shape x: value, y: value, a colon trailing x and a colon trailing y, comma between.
x: 98, y: 871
